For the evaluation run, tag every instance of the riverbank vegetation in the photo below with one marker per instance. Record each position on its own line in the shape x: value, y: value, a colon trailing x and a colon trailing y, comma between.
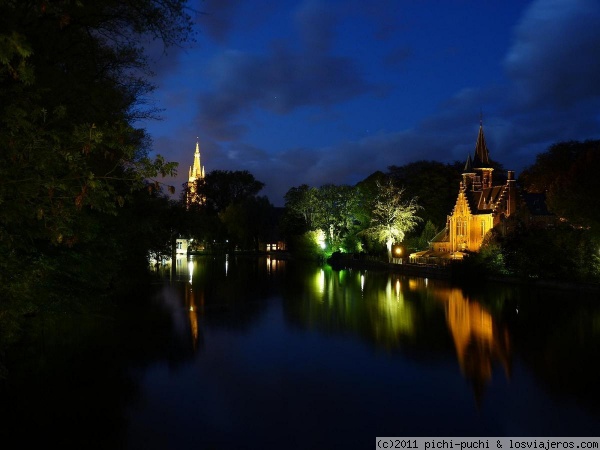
x: 74, y: 168
x: 565, y: 248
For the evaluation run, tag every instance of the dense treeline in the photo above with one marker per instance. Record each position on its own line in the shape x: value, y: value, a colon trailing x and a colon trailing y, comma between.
x: 225, y: 212
x: 570, y: 250
x: 564, y: 175
x: 76, y: 183
x: 318, y: 221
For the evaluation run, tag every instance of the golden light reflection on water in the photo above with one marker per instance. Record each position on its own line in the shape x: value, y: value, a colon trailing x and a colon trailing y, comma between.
x: 395, y: 312
x: 194, y: 303
x: 463, y: 332
x: 478, y: 340
x: 391, y: 311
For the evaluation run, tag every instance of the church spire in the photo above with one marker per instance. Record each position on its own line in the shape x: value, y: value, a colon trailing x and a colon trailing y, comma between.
x: 481, y: 160
x: 196, y: 171
x: 482, y: 156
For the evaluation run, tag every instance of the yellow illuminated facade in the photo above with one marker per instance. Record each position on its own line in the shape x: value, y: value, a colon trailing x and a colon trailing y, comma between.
x: 480, y: 205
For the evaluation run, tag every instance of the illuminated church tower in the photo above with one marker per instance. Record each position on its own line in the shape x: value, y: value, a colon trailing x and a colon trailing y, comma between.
x: 196, y: 173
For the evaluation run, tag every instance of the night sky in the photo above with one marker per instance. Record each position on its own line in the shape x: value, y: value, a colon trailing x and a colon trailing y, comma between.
x: 315, y: 92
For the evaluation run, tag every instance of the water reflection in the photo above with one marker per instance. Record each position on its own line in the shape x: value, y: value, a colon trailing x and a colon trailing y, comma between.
x: 415, y: 317
x: 267, y: 349
x: 479, y: 340
x: 402, y: 314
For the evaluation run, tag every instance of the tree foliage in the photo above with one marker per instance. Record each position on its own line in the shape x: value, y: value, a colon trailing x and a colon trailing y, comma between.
x: 230, y: 210
x: 221, y: 188
x: 73, y: 81
x: 303, y: 203
x: 561, y: 253
x: 435, y: 184
x: 393, y: 216
x: 249, y: 222
x: 567, y: 173
x: 333, y: 209
x: 336, y: 211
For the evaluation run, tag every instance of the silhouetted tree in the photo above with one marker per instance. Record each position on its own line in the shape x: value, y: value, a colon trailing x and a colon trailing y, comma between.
x: 566, y: 172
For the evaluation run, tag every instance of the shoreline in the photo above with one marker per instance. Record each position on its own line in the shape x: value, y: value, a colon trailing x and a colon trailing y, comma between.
x: 453, y: 273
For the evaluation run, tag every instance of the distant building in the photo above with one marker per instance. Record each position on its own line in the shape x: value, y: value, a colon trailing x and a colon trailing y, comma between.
x: 196, y: 173
x: 181, y: 246
x: 481, y: 206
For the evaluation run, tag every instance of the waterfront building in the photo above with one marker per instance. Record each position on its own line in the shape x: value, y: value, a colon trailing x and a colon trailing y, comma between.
x: 480, y: 207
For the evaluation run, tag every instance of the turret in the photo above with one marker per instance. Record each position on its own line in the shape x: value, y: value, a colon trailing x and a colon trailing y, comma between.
x: 481, y: 161
x: 468, y: 173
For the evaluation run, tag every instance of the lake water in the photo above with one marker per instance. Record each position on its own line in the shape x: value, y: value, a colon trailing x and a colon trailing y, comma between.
x: 244, y: 352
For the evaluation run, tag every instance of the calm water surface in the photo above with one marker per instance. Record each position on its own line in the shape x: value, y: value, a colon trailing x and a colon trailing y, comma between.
x: 259, y: 353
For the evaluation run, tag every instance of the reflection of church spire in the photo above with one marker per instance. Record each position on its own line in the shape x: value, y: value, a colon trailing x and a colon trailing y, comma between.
x: 194, y: 303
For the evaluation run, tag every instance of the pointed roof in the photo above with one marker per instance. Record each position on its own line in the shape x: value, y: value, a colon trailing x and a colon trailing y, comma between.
x: 468, y: 165
x: 197, y: 171
x: 482, y: 156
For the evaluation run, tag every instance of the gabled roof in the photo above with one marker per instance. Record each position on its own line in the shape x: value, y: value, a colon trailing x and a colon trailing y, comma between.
x: 484, y: 201
x: 442, y: 236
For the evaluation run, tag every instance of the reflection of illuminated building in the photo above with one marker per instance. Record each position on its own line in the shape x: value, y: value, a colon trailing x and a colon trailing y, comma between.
x: 193, y: 305
x: 477, y: 339
x: 181, y: 266
x: 273, y: 264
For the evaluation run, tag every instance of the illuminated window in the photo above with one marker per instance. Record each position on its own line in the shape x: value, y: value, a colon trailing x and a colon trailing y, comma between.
x: 482, y: 228
x: 461, y: 227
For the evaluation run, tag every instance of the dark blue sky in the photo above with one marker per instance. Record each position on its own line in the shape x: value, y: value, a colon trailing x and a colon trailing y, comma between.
x: 316, y: 92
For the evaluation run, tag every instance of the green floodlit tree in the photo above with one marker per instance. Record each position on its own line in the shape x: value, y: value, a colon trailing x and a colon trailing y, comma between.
x: 303, y: 202
x: 392, y: 215
x: 335, y: 212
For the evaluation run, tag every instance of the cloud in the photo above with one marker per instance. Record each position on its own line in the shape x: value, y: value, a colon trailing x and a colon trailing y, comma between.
x: 280, y: 82
x: 216, y: 17
x: 316, y: 23
x: 550, y: 94
x: 554, y: 60
x: 398, y: 56
x: 289, y: 76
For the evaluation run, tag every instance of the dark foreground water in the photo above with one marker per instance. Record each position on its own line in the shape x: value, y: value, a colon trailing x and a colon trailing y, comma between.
x: 258, y: 353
